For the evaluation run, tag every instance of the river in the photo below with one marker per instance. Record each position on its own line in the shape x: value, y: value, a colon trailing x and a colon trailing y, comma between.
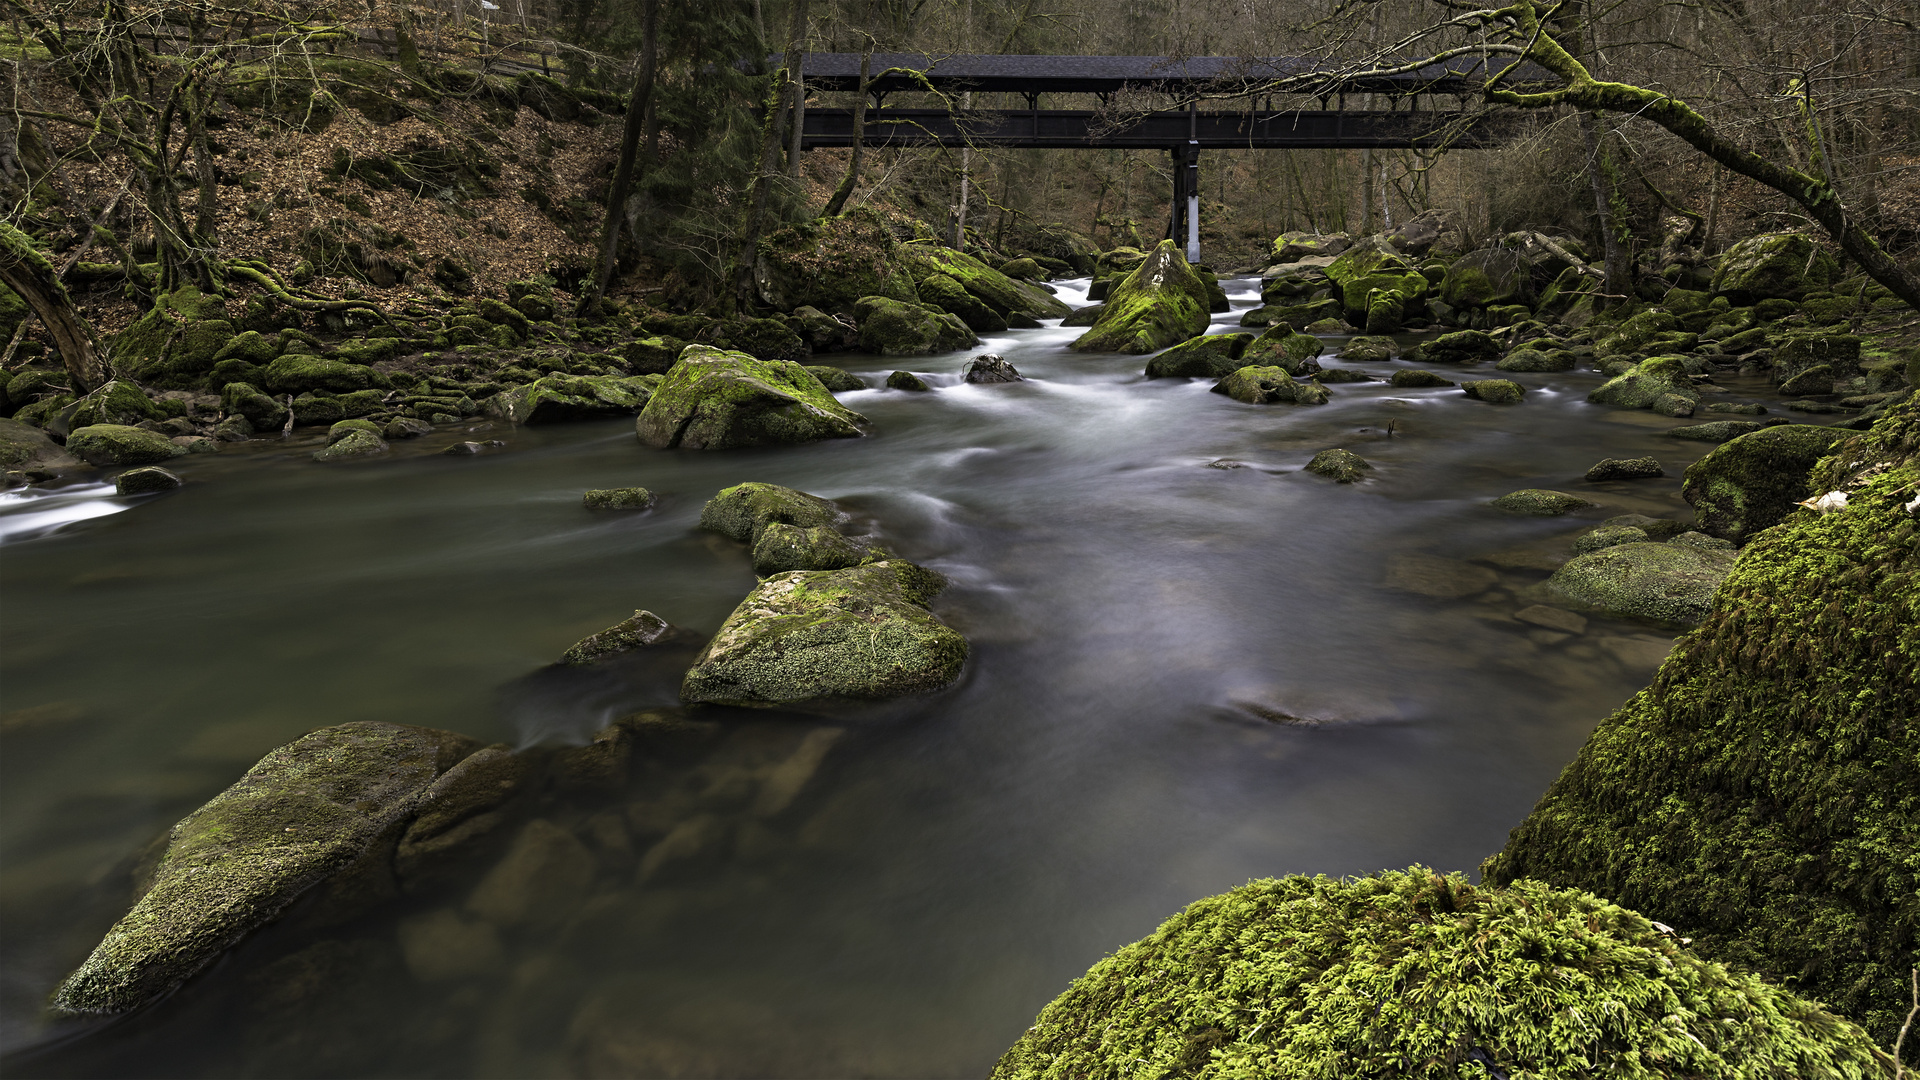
x: 1183, y: 676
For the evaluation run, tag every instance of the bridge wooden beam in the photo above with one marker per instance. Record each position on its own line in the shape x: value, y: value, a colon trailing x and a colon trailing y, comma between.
x: 1087, y: 130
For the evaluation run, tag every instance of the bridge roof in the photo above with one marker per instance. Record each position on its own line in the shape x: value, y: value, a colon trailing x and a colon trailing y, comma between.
x: 1106, y: 74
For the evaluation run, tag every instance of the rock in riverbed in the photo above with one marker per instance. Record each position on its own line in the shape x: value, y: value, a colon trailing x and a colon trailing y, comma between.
x: 1540, y: 502
x: 1668, y: 583
x: 306, y: 812
x: 145, y: 480
x: 627, y: 498
x: 989, y: 369
x: 714, y: 400
x: 1340, y: 466
x: 642, y: 629
x: 825, y: 635
x: 1640, y: 468
x: 117, y: 444
x: 1752, y: 482
x: 1270, y: 385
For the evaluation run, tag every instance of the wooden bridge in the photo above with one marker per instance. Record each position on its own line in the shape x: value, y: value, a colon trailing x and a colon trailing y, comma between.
x: 1119, y: 83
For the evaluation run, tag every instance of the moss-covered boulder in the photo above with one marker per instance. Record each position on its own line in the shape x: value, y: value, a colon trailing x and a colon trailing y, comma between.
x: 146, y: 480
x: 294, y: 373
x: 1368, y: 349
x: 894, y: 328
x: 1667, y: 583
x: 1291, y: 247
x: 1660, y: 384
x: 715, y: 400
x: 1752, y: 482
x: 907, y: 380
x: 820, y: 636
x: 626, y: 498
x: 1159, y: 303
x: 1279, y: 346
x: 1715, y: 431
x: 118, y: 444
x: 947, y: 294
x: 1270, y: 386
x: 1524, y: 359
x: 559, y: 398
x: 1007, y: 297
x: 832, y: 262
x: 1371, y: 273
x: 1763, y: 793
x: 1494, y: 391
x: 836, y: 379
x: 175, y: 343
x: 357, y: 443
x: 25, y: 449
x: 1414, y: 378
x: 1461, y: 347
x: 1208, y: 357
x: 744, y: 510
x: 118, y: 402
x: 779, y: 548
x: 651, y: 355
x: 1633, y: 335
x: 1786, y: 266
x: 1540, y: 502
x: 260, y: 410
x: 306, y: 812
x: 1420, y: 976
x: 1340, y: 466
x: 1485, y: 278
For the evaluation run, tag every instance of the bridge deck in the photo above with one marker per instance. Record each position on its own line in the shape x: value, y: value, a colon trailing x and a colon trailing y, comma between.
x: 1086, y: 130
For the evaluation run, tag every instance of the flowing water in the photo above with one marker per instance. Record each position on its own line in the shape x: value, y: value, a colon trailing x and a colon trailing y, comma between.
x: 1193, y: 664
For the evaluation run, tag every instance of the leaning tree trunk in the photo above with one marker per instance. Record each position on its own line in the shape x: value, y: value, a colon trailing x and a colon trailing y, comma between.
x: 1619, y: 279
x: 27, y: 272
x: 635, y: 125
x: 840, y: 194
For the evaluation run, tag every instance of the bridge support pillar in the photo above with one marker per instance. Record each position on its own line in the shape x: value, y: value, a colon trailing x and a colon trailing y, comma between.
x: 1183, y: 226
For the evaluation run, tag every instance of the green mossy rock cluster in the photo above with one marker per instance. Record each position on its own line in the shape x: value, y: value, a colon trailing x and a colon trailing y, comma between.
x: 1752, y: 482
x: 306, y: 812
x: 1280, y: 347
x: 1421, y: 976
x: 894, y: 328
x: 1375, y: 282
x: 562, y: 398
x: 1763, y: 794
x: 1534, y: 360
x: 1667, y: 583
x: 1785, y: 266
x: 1484, y: 278
x: 787, y: 529
x: 626, y: 498
x: 1460, y: 347
x: 354, y: 444
x: 836, y: 379
x: 1366, y: 349
x: 118, y: 444
x: 1270, y: 386
x: 1715, y: 431
x: 1660, y: 384
x: 822, y: 636
x: 176, y: 342
x: 118, y: 402
x: 1009, y: 300
x: 1207, y: 357
x: 1161, y: 302
x: 779, y: 548
x: 830, y: 263
x: 294, y: 373
x: 715, y: 400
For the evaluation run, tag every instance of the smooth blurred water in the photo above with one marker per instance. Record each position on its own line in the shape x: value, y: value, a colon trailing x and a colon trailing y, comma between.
x: 1136, y: 617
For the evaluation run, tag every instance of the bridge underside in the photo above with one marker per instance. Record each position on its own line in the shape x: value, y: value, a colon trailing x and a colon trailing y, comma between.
x: 1072, y: 129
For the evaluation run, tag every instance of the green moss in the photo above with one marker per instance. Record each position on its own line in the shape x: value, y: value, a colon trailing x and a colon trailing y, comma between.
x: 1660, y: 384
x: 244, y: 399
x: 1208, y: 357
x: 1414, y: 377
x: 947, y: 294
x: 714, y: 400
x: 1667, y: 583
x: 1633, y: 335
x: 357, y: 443
x: 1160, y: 303
x: 176, y: 341
x: 778, y: 548
x: 836, y: 379
x: 1535, y: 360
x: 1418, y: 976
x: 117, y: 444
x: 1485, y: 277
x: 642, y: 629
x: 1763, y: 794
x: 743, y: 510
x: 1461, y: 347
x: 1340, y: 466
x: 1369, y: 268
x: 1280, y: 347
x: 561, y: 398
x: 303, y: 814
x: 1782, y: 266
x: 893, y: 328
x: 1496, y: 391
x: 118, y: 402
x: 1540, y: 502
x: 907, y: 380
x: 1364, y: 349
x: 831, y: 263
x: 1752, y: 482
x: 627, y: 498
x: 293, y: 373
x: 1256, y: 385
x: 824, y: 635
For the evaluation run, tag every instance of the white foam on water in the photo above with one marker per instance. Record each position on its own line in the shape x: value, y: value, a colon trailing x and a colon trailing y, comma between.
x: 31, y: 513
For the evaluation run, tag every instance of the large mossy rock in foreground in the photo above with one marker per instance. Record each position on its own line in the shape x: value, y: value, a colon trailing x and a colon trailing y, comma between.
x: 830, y: 635
x: 1418, y: 976
x: 303, y: 814
x: 27, y: 449
x: 715, y: 400
x: 1752, y: 482
x: 1763, y: 794
x: 1163, y: 301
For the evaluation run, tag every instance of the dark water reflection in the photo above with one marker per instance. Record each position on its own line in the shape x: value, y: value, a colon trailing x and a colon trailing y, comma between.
x: 1183, y: 677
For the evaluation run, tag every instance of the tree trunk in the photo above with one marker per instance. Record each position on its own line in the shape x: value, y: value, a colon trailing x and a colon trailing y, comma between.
x: 28, y: 273
x: 1619, y: 279
x: 797, y: 85
x: 630, y: 132
x: 840, y: 194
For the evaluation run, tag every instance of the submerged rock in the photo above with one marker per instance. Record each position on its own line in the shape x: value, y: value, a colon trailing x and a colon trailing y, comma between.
x: 1753, y: 482
x: 643, y: 628
x: 714, y: 400
x: 1270, y: 386
x: 1161, y: 302
x: 1607, y: 536
x: 1668, y: 583
x: 146, y: 480
x: 306, y: 812
x: 1306, y: 976
x: 824, y: 635
x: 1438, y: 577
x: 117, y: 444
x: 1340, y: 466
x: 627, y: 498
x: 1540, y: 502
x: 1640, y: 468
